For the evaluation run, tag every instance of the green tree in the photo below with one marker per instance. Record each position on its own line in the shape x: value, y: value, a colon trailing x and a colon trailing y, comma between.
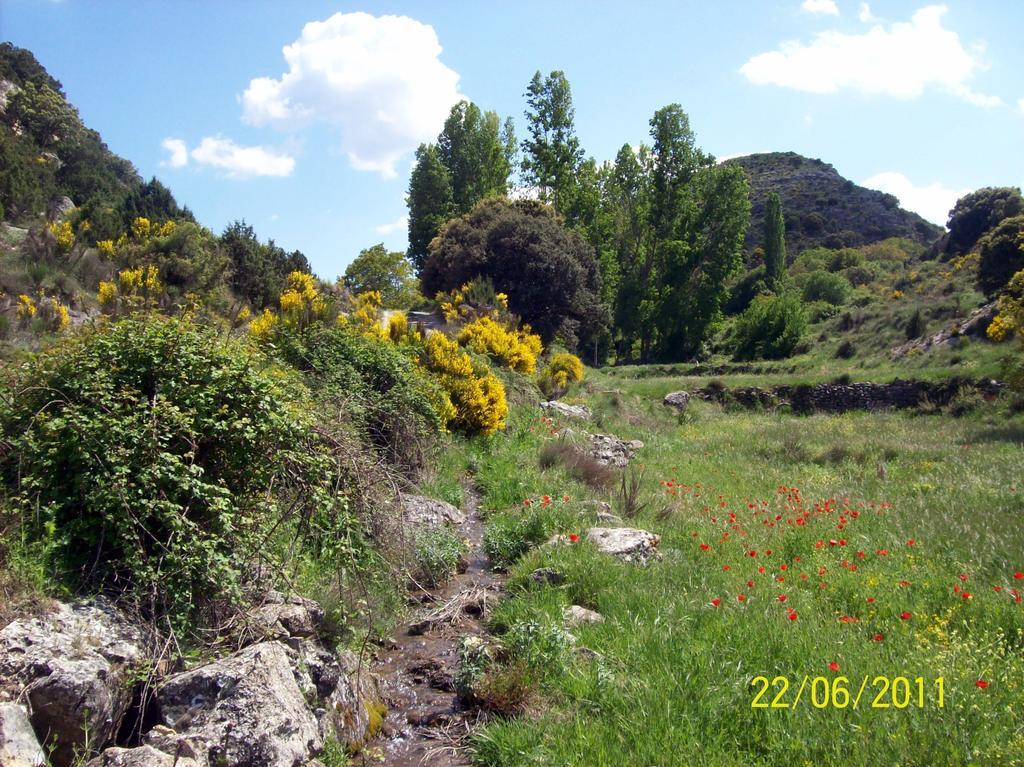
x: 390, y: 273
x: 549, y: 273
x: 257, y: 271
x: 979, y: 212
x: 770, y: 328
x: 552, y: 153
x: 471, y: 146
x: 431, y: 202
x: 774, y: 241
x: 1001, y: 255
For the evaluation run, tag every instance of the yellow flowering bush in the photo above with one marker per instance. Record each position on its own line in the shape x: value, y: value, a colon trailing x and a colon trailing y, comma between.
x: 477, y: 396
x: 64, y: 233
x: 400, y: 332
x: 1001, y: 328
x: 26, y: 308
x: 561, y: 370
x: 106, y: 248
x: 141, y: 229
x: 166, y: 229
x: 107, y: 295
x: 263, y: 325
x: 54, y: 315
x: 367, y: 315
x: 516, y: 349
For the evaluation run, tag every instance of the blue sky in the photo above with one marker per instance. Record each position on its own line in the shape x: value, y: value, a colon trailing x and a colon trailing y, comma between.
x: 923, y: 100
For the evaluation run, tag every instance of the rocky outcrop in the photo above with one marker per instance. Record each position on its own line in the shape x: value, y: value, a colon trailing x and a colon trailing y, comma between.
x: 677, y: 399
x: 268, y: 704
x: 281, y: 617
x: 973, y: 327
x: 245, y: 710
x: 562, y: 410
x: 626, y: 543
x: 143, y: 756
x: 76, y: 669
x: 18, y: 744
x: 420, y: 511
x: 613, y: 451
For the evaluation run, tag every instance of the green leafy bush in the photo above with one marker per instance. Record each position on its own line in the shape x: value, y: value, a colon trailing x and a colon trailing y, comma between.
x: 438, y: 551
x: 826, y: 286
x: 154, y: 461
x: 510, y: 535
x: 770, y: 328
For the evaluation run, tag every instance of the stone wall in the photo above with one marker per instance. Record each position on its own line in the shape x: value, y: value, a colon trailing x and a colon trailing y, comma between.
x: 840, y: 398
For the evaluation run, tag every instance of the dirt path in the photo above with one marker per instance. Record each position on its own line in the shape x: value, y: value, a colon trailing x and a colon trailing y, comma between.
x: 425, y: 723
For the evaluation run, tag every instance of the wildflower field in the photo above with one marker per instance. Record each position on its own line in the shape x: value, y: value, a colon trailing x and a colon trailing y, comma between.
x: 830, y: 590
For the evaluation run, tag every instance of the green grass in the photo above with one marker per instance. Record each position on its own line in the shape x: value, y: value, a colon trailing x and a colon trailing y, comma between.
x: 671, y: 681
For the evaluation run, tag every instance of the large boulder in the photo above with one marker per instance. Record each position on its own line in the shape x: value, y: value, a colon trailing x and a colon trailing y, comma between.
x: 281, y: 617
x: 76, y: 668
x: 677, y: 399
x: 143, y: 756
x: 18, y: 744
x: 562, y: 410
x: 421, y: 511
x: 574, y: 616
x: 613, y: 451
x: 245, y: 710
x: 626, y: 543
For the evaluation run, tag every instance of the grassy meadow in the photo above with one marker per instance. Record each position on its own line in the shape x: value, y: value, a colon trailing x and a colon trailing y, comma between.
x: 844, y: 548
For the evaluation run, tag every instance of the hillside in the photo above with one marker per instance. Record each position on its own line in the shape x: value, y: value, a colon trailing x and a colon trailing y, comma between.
x: 822, y: 208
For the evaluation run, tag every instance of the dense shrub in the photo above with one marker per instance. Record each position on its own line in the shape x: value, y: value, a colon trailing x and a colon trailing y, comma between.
x: 770, y: 328
x: 750, y: 285
x: 399, y: 408
x: 826, y: 286
x: 477, y: 397
x: 515, y: 349
x: 1001, y: 255
x: 152, y: 460
x: 561, y: 370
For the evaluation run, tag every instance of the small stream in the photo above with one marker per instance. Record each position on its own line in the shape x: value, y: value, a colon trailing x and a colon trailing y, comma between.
x: 426, y: 724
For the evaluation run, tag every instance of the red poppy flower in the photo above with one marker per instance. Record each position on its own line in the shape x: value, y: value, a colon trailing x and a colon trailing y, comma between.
x: 966, y: 595
x: 726, y: 568
x: 741, y: 598
x: 997, y: 589
x: 565, y: 498
x: 878, y: 637
x: 792, y: 615
x: 750, y: 584
x: 782, y: 597
x: 573, y: 537
x: 704, y: 547
x: 716, y: 602
x: 1018, y: 576
x: 527, y: 502
x: 871, y: 600
x: 981, y: 683
x: 833, y: 666
x: 783, y: 567
x: 962, y: 576
x: 904, y: 584
x: 905, y: 615
x: 761, y: 570
x: 910, y: 542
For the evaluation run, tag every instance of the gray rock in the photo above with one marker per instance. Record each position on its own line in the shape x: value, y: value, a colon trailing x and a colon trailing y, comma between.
x: 607, y: 518
x: 143, y: 756
x: 613, y: 451
x: 245, y: 710
x: 574, y: 616
x: 280, y: 617
x: 168, y: 741
x: 18, y: 744
x: 562, y: 410
x: 973, y: 326
x: 76, y: 668
x: 547, y: 575
x: 626, y: 543
x: 420, y: 511
x: 677, y: 399
x: 60, y: 209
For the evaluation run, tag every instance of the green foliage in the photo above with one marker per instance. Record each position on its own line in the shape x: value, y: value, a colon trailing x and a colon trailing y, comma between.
x: 549, y: 273
x: 153, y: 460
x: 774, y: 241
x: 1001, y: 255
x: 430, y: 200
x: 551, y: 153
x: 511, y: 534
x: 826, y: 286
x: 258, y: 271
x: 438, y: 551
x: 388, y: 397
x: 979, y: 212
x: 389, y: 273
x: 770, y: 328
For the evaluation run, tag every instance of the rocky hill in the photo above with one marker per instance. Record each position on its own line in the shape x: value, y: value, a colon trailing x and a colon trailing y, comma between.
x: 822, y: 208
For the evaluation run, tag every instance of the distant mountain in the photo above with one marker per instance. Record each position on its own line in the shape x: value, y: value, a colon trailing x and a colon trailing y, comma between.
x: 822, y: 208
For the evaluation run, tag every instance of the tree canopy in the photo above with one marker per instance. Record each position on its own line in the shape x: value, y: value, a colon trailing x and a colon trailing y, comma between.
x: 387, y: 272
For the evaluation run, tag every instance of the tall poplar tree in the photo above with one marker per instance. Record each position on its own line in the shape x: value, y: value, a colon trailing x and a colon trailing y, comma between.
x: 430, y: 201
x: 774, y: 242
x: 552, y: 153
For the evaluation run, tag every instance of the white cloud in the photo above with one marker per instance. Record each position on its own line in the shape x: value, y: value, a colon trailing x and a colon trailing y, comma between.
x: 378, y: 79
x: 178, y: 153
x: 398, y: 224
x: 899, y: 61
x: 820, y: 6
x: 865, y: 14
x: 242, y: 161
x: 932, y: 202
